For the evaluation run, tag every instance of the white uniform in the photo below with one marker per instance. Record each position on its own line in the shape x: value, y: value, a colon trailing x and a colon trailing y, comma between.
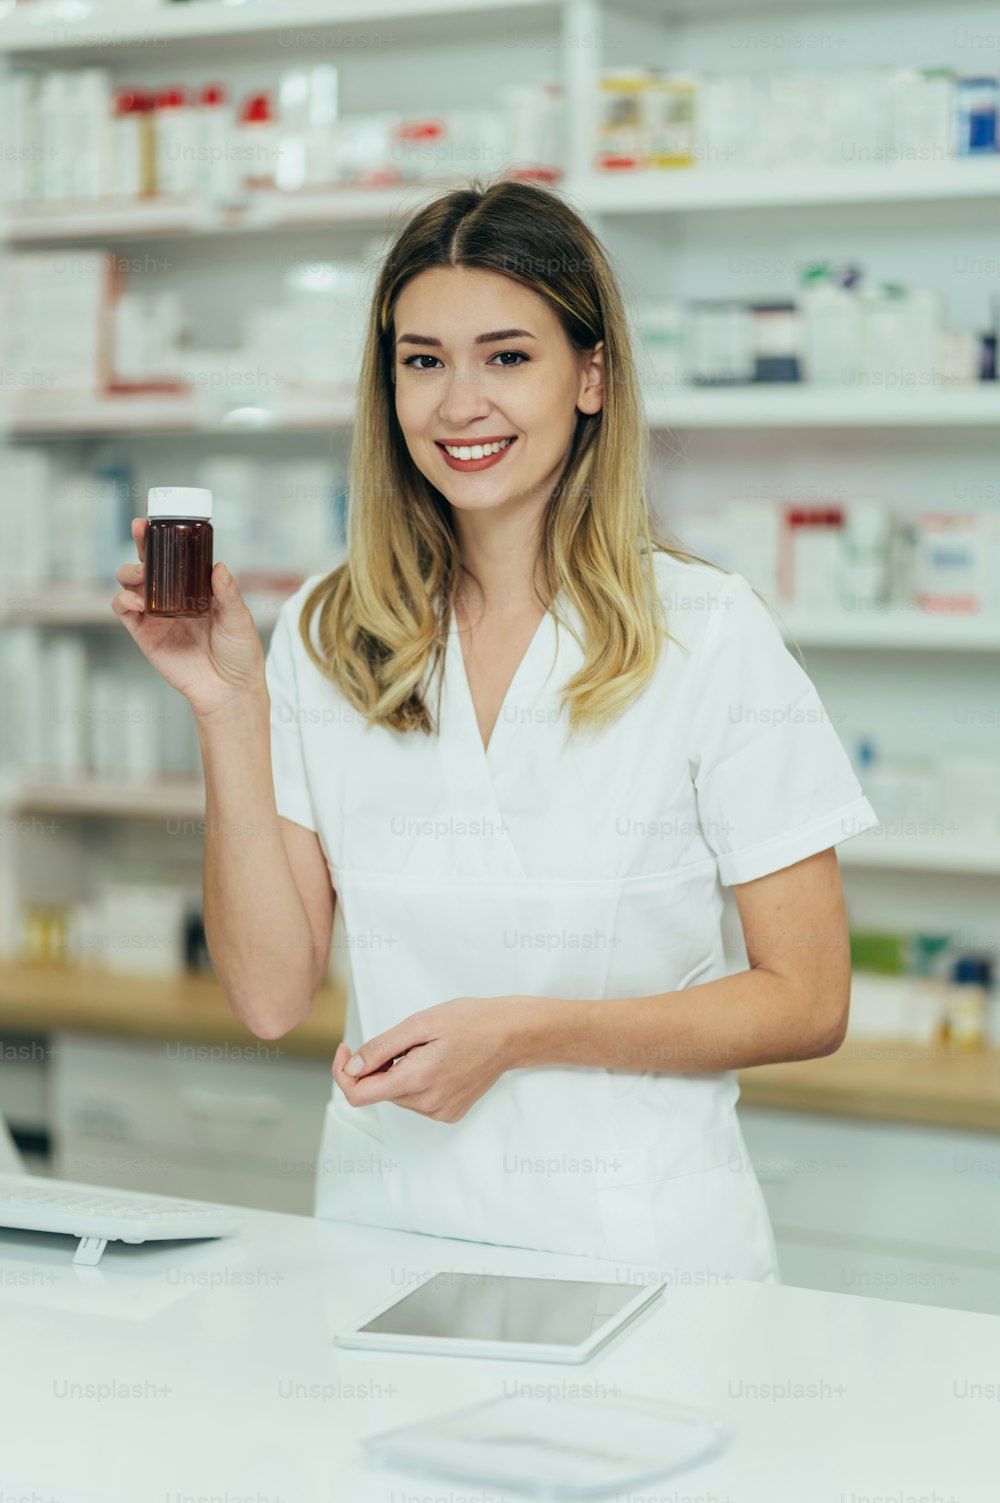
x: 585, y: 869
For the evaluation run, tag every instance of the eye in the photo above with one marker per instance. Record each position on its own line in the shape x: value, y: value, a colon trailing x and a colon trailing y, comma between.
x: 518, y: 356
x: 411, y: 358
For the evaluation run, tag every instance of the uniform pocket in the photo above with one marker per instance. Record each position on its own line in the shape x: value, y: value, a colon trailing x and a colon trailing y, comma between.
x: 354, y: 1171
x: 641, y: 1185
x: 707, y: 1224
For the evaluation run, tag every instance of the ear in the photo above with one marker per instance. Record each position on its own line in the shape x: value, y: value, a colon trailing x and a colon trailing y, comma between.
x: 591, y: 394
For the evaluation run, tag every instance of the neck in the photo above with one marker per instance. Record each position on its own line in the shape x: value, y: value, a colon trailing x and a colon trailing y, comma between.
x: 498, y: 554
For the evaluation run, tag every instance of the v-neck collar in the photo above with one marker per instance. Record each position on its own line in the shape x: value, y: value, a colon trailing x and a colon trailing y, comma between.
x: 530, y: 676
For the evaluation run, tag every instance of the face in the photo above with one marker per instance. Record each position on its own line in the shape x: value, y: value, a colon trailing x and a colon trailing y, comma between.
x: 459, y: 384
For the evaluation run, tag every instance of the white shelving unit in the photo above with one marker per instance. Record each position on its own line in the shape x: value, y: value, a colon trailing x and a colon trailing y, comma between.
x: 671, y: 233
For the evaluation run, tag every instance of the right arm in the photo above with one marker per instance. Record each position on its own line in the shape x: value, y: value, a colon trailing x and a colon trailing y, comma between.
x: 268, y: 900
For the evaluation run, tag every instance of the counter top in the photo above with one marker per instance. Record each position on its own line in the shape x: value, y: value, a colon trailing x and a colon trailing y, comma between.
x: 208, y: 1371
x: 42, y: 999
x: 885, y: 1079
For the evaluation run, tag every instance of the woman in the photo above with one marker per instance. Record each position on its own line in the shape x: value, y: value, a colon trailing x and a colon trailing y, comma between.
x: 524, y: 743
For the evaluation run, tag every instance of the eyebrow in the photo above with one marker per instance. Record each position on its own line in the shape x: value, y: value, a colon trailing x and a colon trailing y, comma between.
x: 497, y: 334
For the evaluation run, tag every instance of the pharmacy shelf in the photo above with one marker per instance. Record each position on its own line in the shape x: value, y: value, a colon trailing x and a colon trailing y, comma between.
x: 71, y: 603
x: 697, y: 188
x: 55, y: 26
x: 154, y: 218
x: 935, y: 854
x: 774, y: 406
x: 112, y: 797
x: 899, y: 629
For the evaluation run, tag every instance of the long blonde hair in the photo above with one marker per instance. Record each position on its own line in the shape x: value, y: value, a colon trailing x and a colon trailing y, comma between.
x: 384, y: 612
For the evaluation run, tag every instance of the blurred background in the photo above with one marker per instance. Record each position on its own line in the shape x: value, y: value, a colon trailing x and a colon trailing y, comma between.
x: 802, y: 202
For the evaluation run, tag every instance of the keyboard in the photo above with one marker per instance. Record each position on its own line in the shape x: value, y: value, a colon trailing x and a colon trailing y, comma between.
x: 99, y: 1215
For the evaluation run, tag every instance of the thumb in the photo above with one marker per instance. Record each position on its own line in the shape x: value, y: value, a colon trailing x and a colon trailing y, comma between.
x: 384, y: 1048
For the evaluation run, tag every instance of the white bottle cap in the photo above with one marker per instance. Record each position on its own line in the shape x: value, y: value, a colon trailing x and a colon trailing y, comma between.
x: 180, y: 501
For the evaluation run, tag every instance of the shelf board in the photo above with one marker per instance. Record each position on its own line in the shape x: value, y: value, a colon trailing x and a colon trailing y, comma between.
x: 66, y: 603
x: 692, y: 189
x: 54, y: 27
x: 153, y: 218
x: 652, y: 192
x: 887, y: 1080
x: 898, y: 629
x: 39, y: 999
x: 184, y: 798
x: 925, y: 854
x: 70, y: 603
x: 112, y: 796
x: 774, y: 406
x: 64, y: 414
x: 800, y: 405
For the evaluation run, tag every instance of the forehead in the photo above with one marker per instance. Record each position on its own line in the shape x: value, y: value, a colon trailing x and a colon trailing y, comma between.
x: 455, y: 303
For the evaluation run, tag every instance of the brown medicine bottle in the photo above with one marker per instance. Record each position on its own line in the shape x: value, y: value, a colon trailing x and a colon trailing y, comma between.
x: 179, y: 551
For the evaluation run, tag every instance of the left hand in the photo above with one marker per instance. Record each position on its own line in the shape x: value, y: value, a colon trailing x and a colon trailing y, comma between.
x: 451, y: 1055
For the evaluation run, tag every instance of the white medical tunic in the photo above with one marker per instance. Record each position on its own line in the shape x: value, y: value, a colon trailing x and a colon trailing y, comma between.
x: 583, y: 868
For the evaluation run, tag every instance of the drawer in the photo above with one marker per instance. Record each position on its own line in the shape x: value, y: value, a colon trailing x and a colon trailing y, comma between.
x: 24, y: 1079
x: 905, y: 1184
x: 880, y: 1273
x: 201, y: 1099
x: 159, y: 1171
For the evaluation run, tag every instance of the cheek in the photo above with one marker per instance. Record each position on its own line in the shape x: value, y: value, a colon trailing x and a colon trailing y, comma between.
x: 548, y: 399
x: 412, y: 405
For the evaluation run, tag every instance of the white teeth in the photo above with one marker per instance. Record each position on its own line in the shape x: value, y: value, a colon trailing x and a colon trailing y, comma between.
x: 476, y: 451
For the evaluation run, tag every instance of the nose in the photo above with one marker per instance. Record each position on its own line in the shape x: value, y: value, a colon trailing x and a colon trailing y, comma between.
x: 463, y: 400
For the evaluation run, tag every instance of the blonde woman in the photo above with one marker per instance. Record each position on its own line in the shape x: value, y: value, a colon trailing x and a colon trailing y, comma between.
x: 524, y: 743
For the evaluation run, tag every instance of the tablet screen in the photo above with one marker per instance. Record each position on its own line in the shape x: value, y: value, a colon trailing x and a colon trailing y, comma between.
x: 498, y: 1307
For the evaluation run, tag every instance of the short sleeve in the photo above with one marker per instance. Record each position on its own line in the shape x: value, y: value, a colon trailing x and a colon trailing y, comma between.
x: 772, y: 780
x: 291, y: 788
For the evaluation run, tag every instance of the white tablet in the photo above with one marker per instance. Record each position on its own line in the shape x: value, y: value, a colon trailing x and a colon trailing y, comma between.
x: 500, y: 1315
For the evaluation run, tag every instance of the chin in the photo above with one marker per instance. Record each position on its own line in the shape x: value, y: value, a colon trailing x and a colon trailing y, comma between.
x: 476, y: 503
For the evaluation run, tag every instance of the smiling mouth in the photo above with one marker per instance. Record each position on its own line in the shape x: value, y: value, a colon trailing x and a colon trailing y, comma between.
x: 481, y: 456
x: 483, y: 450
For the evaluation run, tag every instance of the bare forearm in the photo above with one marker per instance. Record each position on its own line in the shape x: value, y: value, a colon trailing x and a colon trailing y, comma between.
x: 255, y: 922
x: 752, y: 1018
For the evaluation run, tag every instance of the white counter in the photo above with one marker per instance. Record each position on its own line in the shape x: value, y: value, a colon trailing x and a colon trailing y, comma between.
x: 213, y: 1378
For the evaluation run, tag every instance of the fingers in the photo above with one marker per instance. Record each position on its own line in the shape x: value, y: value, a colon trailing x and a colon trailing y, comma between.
x: 129, y: 608
x: 131, y: 575
x: 408, y: 1077
x: 386, y: 1047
